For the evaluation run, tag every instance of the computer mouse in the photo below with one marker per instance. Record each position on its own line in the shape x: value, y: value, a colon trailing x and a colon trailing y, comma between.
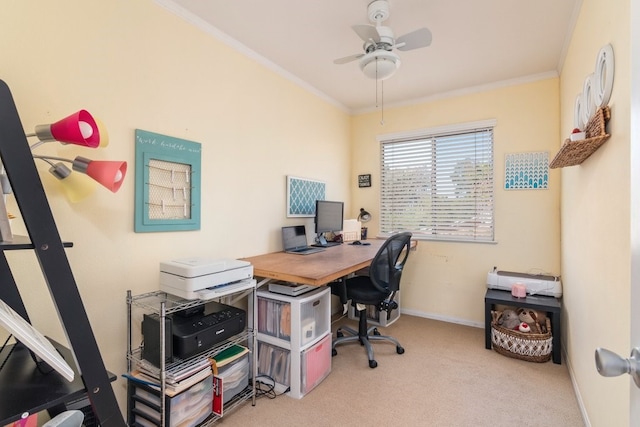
x: 356, y: 242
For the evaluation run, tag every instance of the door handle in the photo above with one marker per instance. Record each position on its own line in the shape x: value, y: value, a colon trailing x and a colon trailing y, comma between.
x: 610, y: 364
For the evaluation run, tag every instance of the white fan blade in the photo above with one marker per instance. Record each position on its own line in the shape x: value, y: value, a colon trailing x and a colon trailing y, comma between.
x: 367, y: 33
x: 414, y: 40
x: 348, y: 58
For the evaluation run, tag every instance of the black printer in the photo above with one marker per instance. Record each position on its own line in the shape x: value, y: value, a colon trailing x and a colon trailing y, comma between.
x: 191, y: 331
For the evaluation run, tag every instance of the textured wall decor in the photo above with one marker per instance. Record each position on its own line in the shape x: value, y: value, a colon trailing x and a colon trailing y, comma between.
x: 302, y: 194
x: 526, y: 171
x: 167, y: 183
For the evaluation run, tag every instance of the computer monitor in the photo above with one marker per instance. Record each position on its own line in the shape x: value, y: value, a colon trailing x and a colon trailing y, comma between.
x: 329, y: 217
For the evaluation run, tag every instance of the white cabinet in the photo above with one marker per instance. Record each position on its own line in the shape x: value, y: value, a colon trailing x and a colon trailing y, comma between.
x: 376, y: 317
x: 294, y: 339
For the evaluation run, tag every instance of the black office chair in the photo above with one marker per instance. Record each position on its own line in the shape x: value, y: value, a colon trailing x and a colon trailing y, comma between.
x: 377, y: 289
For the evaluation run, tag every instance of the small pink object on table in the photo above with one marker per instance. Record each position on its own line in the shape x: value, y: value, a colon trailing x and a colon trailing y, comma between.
x: 519, y: 290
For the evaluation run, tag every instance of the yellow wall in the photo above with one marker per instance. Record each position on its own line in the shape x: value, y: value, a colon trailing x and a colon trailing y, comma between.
x: 448, y: 280
x: 135, y: 65
x: 595, y: 218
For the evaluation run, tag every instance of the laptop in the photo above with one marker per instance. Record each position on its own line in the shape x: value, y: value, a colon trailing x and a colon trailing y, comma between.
x: 294, y: 241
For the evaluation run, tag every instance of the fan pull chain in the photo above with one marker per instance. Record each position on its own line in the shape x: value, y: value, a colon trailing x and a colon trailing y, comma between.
x: 376, y: 83
x: 382, y: 103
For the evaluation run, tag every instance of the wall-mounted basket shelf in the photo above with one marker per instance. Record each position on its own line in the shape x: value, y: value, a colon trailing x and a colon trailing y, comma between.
x: 575, y: 152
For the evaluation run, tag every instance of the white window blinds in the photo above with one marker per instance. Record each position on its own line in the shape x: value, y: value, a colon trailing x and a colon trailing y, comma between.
x: 439, y: 186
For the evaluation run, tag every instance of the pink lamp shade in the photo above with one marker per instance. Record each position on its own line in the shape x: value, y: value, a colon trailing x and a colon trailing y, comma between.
x: 79, y: 128
x: 109, y: 174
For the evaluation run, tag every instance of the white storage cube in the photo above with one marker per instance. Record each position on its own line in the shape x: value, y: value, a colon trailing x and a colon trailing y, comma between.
x: 376, y: 317
x: 294, y: 339
x: 298, y: 320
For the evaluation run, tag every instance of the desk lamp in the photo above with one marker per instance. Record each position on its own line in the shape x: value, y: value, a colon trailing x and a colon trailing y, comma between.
x: 364, y: 216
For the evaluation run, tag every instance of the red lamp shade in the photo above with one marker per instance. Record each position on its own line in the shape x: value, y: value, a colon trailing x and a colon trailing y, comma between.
x: 79, y: 128
x: 109, y: 174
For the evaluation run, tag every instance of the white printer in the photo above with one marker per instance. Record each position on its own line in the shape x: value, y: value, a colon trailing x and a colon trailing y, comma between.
x: 203, y: 278
x: 536, y: 284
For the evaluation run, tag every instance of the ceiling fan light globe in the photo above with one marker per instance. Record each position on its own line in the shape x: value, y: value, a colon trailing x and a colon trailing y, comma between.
x: 379, y: 65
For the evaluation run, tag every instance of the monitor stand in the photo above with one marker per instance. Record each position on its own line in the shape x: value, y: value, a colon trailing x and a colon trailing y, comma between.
x: 322, y: 242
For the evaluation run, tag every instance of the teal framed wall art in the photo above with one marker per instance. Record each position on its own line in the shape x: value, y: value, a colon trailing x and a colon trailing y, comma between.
x: 168, y: 176
x: 302, y: 194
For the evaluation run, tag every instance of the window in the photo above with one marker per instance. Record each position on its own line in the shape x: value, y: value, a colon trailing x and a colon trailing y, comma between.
x: 438, y: 183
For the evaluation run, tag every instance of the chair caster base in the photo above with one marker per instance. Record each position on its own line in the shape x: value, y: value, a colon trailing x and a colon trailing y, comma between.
x: 399, y: 350
x: 373, y: 364
x: 334, y: 352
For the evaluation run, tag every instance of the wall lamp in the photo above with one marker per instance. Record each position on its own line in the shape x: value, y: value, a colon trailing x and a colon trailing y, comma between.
x: 82, y: 129
x: 79, y: 128
x: 110, y: 174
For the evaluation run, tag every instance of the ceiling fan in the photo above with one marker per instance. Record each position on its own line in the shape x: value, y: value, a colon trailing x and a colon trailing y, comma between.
x: 379, y: 60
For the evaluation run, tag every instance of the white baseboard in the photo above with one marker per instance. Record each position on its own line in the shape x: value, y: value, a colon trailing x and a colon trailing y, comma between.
x: 576, y: 390
x: 441, y: 318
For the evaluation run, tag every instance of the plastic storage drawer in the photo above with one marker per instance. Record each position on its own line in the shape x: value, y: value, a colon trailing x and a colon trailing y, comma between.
x: 315, y: 364
x: 235, y: 377
x: 274, y: 362
x: 308, y: 315
x: 188, y: 408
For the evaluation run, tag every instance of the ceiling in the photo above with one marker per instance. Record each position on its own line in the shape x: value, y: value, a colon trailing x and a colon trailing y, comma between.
x: 476, y: 43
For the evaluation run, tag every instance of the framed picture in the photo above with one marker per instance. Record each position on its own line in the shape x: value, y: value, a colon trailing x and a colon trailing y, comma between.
x: 526, y: 171
x: 364, y: 180
x: 167, y: 183
x: 302, y: 194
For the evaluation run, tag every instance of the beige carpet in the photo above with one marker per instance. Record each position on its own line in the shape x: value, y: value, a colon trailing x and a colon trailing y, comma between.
x: 445, y: 378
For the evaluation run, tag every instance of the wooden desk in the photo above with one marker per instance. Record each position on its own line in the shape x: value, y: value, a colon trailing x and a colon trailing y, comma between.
x: 318, y: 268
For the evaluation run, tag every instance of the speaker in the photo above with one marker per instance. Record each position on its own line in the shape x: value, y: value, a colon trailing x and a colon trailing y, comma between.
x: 151, y: 332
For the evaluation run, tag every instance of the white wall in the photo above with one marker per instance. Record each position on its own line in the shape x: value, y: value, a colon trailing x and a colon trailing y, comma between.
x: 596, y: 218
x: 136, y: 66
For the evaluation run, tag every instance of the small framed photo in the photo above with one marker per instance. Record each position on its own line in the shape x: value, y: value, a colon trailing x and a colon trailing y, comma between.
x: 364, y: 180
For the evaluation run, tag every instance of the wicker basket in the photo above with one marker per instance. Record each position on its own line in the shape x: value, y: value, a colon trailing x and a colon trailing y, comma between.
x: 575, y: 152
x: 527, y: 346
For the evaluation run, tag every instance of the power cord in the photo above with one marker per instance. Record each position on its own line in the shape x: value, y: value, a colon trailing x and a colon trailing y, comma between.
x: 266, y: 387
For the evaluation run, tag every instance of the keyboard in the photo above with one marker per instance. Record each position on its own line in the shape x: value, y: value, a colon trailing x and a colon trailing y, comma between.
x: 327, y: 245
x: 305, y: 251
x: 228, y: 288
x: 24, y: 332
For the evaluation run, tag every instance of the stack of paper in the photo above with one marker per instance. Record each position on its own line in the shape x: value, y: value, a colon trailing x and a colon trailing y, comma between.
x: 229, y: 355
x: 177, y: 378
